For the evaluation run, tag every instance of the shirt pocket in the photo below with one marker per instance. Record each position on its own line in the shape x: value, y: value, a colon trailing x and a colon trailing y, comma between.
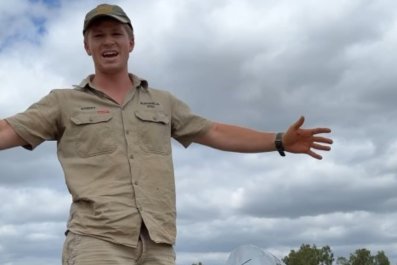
x: 154, y: 131
x: 93, y: 134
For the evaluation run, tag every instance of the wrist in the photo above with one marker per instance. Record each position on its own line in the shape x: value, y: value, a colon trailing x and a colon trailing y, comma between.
x: 278, y: 143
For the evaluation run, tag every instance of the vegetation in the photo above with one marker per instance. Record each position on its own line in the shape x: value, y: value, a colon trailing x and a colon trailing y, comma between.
x: 312, y: 255
x: 308, y: 255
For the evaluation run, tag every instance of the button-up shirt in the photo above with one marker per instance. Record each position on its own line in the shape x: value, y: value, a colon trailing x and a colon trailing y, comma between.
x: 116, y: 158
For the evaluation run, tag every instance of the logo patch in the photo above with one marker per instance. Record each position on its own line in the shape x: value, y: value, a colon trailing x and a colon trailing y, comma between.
x: 103, y: 111
x: 151, y: 105
x: 88, y: 108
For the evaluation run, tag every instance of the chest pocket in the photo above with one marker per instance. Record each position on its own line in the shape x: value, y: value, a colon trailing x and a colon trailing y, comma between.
x: 93, y: 134
x: 154, y: 131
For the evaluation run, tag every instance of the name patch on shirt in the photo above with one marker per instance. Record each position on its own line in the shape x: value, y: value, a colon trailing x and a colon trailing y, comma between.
x: 98, y: 110
x: 151, y: 105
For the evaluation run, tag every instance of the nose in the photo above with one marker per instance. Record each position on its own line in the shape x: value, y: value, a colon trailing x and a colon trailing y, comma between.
x: 109, y: 40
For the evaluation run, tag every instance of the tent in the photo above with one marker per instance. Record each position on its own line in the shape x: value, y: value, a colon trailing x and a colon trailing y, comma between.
x: 252, y: 255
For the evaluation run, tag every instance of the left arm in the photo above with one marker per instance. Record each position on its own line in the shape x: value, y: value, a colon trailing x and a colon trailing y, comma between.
x: 238, y: 139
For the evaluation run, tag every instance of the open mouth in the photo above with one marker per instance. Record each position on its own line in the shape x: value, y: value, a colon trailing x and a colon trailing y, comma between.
x: 110, y: 54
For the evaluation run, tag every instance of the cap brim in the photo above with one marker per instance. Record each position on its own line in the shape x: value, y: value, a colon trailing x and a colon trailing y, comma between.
x: 116, y: 17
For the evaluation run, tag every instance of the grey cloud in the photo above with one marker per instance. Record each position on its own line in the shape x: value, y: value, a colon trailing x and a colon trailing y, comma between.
x: 322, y: 190
x: 318, y: 200
x: 256, y: 63
x: 35, y: 242
x: 41, y: 166
x: 48, y: 205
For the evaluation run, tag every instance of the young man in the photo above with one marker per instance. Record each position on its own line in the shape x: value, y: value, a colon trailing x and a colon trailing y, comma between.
x: 114, y: 143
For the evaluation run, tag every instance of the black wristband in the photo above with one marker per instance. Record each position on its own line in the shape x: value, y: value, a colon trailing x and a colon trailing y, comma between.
x: 279, y: 144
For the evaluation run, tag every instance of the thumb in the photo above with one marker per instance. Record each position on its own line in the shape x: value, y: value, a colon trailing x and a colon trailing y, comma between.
x: 298, y: 123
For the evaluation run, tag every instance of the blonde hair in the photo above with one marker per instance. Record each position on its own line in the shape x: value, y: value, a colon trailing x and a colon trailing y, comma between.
x: 128, y: 28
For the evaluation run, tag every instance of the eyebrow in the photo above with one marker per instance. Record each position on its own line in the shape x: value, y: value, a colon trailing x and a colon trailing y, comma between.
x: 101, y: 28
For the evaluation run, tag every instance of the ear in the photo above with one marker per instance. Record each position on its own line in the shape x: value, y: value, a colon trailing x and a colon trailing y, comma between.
x: 87, y: 48
x: 132, y: 44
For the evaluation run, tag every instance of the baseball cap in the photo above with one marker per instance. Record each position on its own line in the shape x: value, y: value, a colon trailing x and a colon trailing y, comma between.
x: 252, y: 255
x: 106, y: 10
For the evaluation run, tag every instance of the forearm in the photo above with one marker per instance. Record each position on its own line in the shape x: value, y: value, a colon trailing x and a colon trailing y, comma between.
x: 237, y: 139
x: 8, y: 137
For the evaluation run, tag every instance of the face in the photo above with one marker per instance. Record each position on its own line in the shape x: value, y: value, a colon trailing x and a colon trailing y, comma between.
x: 109, y: 44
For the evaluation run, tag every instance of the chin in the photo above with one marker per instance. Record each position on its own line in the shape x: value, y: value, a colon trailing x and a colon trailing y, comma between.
x: 111, y: 69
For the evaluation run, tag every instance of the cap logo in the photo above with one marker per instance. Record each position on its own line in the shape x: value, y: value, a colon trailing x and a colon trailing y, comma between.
x: 104, y: 9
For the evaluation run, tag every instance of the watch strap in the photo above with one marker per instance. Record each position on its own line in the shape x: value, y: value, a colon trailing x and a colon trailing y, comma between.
x: 279, y: 144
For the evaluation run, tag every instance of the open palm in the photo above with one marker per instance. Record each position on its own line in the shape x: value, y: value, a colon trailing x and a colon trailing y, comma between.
x: 299, y: 140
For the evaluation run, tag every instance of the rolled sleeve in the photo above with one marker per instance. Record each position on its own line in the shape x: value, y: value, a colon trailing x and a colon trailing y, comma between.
x: 186, y: 126
x: 38, y: 123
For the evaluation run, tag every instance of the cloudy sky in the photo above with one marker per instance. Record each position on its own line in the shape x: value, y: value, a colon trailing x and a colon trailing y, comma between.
x: 255, y: 63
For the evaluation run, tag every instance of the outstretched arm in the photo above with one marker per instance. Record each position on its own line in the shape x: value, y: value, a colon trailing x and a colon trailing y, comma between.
x: 8, y: 137
x: 238, y: 139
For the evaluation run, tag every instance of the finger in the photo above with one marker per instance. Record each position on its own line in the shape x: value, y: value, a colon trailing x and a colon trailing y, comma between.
x: 299, y: 123
x: 314, y: 155
x: 322, y: 140
x: 321, y: 130
x: 321, y: 147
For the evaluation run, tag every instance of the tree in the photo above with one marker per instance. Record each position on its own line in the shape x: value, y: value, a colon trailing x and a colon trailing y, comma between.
x: 364, y: 257
x: 342, y: 261
x: 310, y: 255
x: 361, y: 257
x: 381, y: 259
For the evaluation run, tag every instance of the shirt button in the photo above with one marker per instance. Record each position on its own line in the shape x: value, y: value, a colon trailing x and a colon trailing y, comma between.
x: 155, y: 118
x: 131, y: 156
x: 136, y: 183
x: 127, y: 132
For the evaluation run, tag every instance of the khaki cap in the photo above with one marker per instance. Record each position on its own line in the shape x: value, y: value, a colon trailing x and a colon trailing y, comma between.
x: 105, y: 10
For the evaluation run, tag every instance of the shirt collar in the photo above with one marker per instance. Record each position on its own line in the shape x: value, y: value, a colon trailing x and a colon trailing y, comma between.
x: 139, y: 82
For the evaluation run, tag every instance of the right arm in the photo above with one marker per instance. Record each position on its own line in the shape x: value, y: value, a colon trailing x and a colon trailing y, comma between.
x: 8, y: 137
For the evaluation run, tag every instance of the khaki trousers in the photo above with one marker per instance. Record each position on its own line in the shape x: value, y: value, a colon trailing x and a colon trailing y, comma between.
x: 86, y: 250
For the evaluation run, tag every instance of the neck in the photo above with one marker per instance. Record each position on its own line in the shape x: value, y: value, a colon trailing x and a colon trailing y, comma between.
x: 112, y: 81
x: 115, y: 85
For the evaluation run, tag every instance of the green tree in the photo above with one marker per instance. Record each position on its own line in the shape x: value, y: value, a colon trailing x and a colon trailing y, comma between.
x: 342, y: 261
x: 364, y: 257
x: 361, y: 257
x: 381, y: 259
x: 310, y: 255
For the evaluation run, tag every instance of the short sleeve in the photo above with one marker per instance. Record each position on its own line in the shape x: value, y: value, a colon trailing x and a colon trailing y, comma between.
x: 40, y: 122
x: 185, y: 124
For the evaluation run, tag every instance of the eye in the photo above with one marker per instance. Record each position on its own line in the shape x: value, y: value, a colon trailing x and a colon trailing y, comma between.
x: 98, y: 35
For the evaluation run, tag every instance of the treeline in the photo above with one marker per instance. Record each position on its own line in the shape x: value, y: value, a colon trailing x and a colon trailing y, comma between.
x: 312, y: 255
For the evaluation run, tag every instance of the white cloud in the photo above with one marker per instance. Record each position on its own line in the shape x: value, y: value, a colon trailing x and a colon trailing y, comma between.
x: 254, y: 63
x: 48, y: 205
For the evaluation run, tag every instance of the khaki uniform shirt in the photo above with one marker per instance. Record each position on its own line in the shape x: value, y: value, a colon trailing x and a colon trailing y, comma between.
x: 116, y: 158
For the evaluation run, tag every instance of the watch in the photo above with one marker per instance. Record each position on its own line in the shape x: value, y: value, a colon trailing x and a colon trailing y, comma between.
x: 279, y: 144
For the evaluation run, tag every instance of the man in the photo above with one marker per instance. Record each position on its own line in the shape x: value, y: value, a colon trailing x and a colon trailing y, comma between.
x: 113, y: 133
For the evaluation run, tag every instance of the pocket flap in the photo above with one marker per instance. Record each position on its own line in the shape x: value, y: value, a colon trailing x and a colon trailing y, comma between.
x: 152, y: 116
x: 87, y: 118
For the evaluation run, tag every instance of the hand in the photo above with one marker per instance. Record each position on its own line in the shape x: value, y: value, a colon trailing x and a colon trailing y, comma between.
x: 298, y: 140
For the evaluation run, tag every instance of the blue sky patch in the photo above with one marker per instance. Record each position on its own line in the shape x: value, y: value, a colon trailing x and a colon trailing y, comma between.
x: 49, y: 3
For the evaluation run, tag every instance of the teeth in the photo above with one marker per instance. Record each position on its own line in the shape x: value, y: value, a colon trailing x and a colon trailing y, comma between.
x: 109, y: 53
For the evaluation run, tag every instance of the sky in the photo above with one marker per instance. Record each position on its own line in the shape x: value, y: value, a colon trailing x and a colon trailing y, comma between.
x: 254, y: 63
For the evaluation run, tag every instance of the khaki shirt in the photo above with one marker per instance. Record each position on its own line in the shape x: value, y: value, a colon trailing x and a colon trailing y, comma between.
x: 116, y: 158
